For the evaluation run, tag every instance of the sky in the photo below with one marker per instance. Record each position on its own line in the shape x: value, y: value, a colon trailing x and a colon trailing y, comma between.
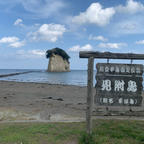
x: 28, y: 28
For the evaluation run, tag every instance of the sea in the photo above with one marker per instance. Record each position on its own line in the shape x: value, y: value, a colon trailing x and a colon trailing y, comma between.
x: 74, y: 77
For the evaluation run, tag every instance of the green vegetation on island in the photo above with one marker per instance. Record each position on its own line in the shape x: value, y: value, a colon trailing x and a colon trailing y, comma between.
x: 57, y: 51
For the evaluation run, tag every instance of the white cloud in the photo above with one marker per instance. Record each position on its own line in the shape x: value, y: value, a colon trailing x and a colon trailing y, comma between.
x: 78, y: 48
x: 128, y: 26
x: 12, y: 41
x: 35, y: 53
x: 97, y: 38
x: 44, y: 8
x: 17, y: 44
x: 141, y: 42
x: 95, y: 14
x: 131, y: 7
x: 18, y: 22
x: 133, y: 25
x: 112, y: 45
x: 37, y: 8
x: 48, y: 32
x: 129, y: 18
x: 9, y: 39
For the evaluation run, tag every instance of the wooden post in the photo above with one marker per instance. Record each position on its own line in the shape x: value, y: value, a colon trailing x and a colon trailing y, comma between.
x: 89, y: 95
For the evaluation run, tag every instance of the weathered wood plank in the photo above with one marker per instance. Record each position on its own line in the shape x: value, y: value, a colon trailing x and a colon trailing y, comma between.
x: 109, y: 55
x: 89, y: 95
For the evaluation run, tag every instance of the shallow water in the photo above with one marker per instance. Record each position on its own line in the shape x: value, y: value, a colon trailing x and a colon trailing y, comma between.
x: 75, y: 77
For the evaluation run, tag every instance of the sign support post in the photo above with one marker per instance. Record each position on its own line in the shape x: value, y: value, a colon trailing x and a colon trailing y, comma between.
x: 89, y: 95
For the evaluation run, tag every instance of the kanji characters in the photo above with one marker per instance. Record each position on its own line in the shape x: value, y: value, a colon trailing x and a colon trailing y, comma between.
x: 121, y: 101
x: 106, y: 85
x: 125, y: 68
x: 119, y: 85
x: 132, y: 87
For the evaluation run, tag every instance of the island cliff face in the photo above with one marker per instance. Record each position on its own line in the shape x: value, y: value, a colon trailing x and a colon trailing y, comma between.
x: 58, y: 60
x: 58, y: 64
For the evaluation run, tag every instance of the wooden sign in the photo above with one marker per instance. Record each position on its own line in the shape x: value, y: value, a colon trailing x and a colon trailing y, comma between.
x: 119, y: 84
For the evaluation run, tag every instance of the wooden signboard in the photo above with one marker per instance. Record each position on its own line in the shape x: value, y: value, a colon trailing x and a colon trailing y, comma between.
x: 119, y: 84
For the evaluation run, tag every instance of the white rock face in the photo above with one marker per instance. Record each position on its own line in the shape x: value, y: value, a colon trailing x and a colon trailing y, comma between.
x: 58, y: 64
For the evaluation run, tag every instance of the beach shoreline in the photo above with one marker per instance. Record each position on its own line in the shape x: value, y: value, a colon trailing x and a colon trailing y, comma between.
x: 42, y: 102
x: 30, y: 101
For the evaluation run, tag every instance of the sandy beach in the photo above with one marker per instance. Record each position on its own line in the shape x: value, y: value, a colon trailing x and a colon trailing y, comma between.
x: 41, y: 102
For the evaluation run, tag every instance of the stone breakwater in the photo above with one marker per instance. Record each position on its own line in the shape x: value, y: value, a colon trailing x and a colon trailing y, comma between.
x: 13, y: 74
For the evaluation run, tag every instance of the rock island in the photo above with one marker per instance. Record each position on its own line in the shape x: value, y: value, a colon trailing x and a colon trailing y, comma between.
x: 58, y: 60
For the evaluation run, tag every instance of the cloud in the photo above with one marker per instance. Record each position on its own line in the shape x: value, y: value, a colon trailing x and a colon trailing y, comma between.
x: 78, y: 48
x: 141, y: 42
x: 48, y: 32
x: 129, y: 18
x: 97, y: 38
x: 38, y: 8
x: 18, y: 22
x: 43, y: 8
x: 131, y: 7
x: 112, y: 45
x: 9, y: 39
x: 133, y: 25
x: 12, y: 41
x: 95, y: 14
x: 35, y: 53
x: 17, y: 44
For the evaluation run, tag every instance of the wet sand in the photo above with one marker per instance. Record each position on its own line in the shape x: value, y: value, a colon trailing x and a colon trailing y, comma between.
x: 41, y: 102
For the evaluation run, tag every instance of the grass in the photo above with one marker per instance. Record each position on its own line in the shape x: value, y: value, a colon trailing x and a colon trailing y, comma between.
x: 104, y: 132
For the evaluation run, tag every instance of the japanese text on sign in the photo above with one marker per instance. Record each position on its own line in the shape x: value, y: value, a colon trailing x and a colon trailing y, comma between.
x: 119, y: 84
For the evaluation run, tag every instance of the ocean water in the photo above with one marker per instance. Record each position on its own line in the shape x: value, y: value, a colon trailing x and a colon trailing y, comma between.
x: 75, y: 77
